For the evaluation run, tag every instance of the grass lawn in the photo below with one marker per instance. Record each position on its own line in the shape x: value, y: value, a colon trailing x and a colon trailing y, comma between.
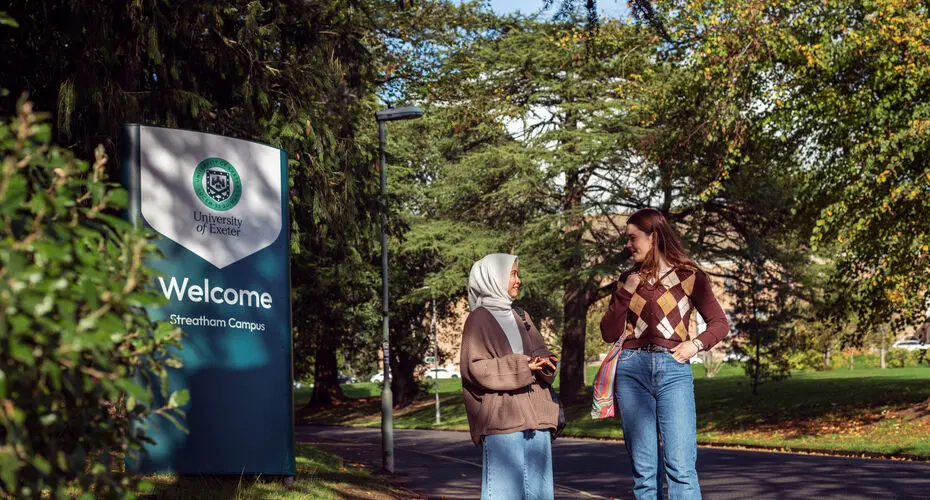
x: 871, y: 412
x: 320, y: 475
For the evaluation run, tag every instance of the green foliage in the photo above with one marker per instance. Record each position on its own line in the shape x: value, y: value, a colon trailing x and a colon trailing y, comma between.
x: 540, y: 137
x: 856, y: 359
x: 860, y: 86
x: 5, y: 19
x: 903, y: 358
x: 74, y: 338
x: 852, y: 359
x: 761, y: 317
x: 297, y: 74
x: 768, y: 362
x: 524, y: 148
x: 752, y: 125
x: 844, y: 87
x: 806, y: 359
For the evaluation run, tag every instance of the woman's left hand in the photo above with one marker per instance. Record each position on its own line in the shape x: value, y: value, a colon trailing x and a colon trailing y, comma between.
x: 684, y: 351
x: 543, y: 365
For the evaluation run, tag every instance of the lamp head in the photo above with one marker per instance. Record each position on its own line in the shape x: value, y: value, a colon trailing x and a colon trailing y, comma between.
x: 404, y: 113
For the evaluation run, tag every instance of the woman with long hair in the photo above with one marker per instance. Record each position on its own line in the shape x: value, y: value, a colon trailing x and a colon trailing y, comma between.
x: 507, y: 372
x: 654, y: 389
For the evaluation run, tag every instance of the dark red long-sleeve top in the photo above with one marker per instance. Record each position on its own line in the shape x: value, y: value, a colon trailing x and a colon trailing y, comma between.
x: 660, y: 313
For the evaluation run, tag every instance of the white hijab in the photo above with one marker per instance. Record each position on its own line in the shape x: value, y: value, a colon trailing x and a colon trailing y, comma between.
x: 488, y: 284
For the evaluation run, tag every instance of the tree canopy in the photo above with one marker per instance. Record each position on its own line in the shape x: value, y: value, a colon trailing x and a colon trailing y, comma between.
x: 787, y: 143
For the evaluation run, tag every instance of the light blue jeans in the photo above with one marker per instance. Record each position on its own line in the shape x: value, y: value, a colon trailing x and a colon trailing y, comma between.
x: 656, y: 400
x: 517, y: 465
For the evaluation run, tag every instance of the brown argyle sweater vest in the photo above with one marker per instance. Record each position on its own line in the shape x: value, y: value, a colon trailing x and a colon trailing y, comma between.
x: 660, y: 313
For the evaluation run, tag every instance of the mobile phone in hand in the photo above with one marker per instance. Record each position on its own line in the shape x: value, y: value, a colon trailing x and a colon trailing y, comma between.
x: 547, y: 371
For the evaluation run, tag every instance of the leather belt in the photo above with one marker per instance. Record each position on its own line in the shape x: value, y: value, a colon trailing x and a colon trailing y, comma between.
x: 651, y: 348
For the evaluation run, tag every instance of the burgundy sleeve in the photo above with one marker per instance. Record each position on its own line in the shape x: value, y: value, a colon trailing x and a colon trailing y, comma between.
x: 614, y: 321
x: 706, y: 303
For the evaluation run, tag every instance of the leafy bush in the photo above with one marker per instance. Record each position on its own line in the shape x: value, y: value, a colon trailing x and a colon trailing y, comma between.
x: 854, y: 358
x: 806, y: 359
x: 868, y: 359
x: 845, y: 359
x: 902, y: 358
x: 74, y: 338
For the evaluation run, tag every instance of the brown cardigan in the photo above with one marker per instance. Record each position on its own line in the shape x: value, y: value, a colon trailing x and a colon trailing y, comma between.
x: 502, y: 394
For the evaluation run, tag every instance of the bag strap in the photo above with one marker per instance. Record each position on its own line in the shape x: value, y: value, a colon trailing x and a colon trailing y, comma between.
x: 520, y: 312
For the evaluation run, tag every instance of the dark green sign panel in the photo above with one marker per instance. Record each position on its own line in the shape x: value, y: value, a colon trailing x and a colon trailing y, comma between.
x: 220, y: 206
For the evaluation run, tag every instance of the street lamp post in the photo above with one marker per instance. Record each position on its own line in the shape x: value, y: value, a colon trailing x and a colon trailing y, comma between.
x: 432, y: 325
x: 387, y: 400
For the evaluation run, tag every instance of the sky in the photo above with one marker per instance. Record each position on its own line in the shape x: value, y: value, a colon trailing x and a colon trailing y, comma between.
x: 610, y: 8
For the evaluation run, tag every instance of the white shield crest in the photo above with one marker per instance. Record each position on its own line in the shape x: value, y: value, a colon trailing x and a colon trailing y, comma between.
x: 168, y: 159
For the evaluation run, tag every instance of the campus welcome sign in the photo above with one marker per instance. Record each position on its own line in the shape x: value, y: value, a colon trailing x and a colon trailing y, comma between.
x: 220, y: 207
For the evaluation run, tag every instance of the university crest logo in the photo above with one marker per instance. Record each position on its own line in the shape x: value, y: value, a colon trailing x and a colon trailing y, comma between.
x: 217, y: 184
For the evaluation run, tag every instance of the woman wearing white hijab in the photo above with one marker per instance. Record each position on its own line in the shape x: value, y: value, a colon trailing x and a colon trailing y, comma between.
x: 506, y: 374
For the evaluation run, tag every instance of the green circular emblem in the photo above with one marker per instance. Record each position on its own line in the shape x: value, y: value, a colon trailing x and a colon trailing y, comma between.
x: 217, y: 184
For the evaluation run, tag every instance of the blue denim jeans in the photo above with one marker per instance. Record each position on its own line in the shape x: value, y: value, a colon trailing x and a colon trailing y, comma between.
x: 656, y: 400
x: 517, y: 465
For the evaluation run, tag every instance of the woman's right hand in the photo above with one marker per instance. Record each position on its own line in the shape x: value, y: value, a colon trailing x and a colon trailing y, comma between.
x: 632, y: 282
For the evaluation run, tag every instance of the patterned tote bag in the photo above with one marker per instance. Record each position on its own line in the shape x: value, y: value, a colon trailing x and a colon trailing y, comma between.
x: 604, y: 405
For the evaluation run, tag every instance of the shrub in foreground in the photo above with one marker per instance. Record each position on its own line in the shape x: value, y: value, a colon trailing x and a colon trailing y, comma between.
x: 74, y: 337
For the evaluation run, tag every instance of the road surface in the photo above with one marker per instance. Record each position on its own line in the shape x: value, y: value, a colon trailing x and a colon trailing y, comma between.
x: 442, y: 464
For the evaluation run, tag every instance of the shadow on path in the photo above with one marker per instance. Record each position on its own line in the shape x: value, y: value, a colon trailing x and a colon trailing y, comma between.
x: 446, y: 464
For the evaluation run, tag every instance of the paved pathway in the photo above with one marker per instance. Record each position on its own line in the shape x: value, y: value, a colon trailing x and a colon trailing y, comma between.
x: 441, y: 464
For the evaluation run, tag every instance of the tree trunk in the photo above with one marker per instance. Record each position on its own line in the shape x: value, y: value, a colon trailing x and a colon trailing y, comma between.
x: 882, y: 352
x: 575, y: 298
x: 404, y: 386
x: 575, y: 312
x: 326, y: 388
x: 826, y: 358
x: 758, y: 361
x: 130, y: 77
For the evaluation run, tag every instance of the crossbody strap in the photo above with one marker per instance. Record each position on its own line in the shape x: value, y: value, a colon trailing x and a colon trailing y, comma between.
x: 520, y: 312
